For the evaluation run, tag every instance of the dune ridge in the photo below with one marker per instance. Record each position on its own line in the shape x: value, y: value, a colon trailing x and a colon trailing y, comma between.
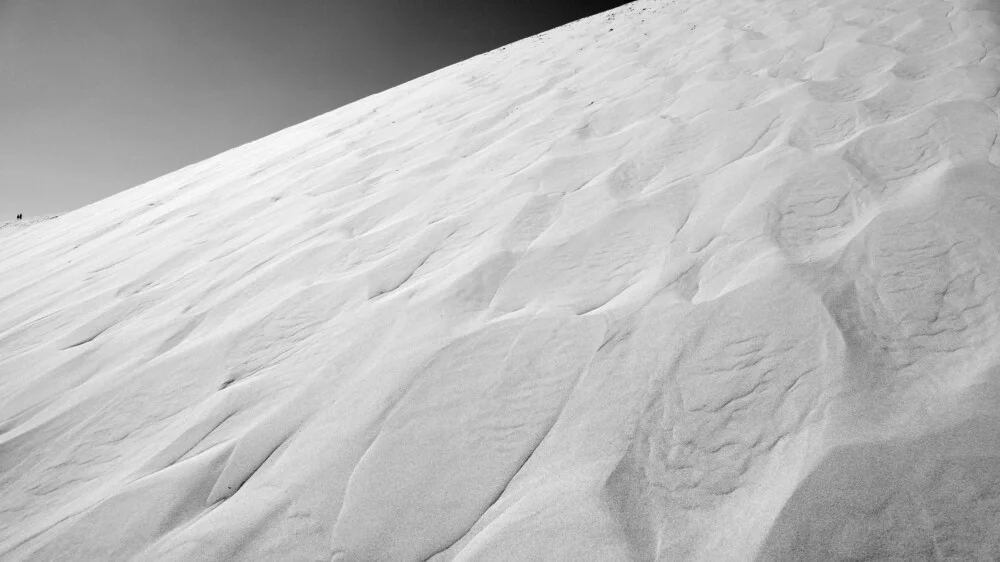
x: 682, y: 281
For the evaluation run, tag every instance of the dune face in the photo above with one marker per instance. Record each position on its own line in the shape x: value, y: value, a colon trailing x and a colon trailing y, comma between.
x: 682, y: 281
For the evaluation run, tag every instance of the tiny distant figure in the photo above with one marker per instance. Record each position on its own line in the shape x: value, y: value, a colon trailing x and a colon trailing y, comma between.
x: 19, y: 216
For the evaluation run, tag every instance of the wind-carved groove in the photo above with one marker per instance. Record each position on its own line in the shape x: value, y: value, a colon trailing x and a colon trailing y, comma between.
x: 234, y: 481
x: 87, y: 339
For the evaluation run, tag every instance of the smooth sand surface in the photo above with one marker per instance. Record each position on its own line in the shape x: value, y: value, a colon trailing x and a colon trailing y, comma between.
x: 686, y: 280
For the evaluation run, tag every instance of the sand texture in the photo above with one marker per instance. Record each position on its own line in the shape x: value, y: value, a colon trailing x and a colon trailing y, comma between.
x: 687, y: 280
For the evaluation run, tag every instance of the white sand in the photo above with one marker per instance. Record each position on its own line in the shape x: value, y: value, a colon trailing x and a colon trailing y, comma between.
x: 683, y: 281
x: 11, y: 226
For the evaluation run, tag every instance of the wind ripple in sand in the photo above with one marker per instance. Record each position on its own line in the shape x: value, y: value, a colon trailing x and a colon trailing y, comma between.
x: 681, y: 281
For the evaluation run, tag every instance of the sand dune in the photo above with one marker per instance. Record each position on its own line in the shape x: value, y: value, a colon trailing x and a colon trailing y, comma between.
x: 681, y: 281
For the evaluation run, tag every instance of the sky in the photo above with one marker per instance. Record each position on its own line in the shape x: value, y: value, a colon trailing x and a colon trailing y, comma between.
x: 97, y: 96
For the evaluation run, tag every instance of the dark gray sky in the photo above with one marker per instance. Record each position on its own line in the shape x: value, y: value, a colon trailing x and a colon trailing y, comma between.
x: 99, y: 95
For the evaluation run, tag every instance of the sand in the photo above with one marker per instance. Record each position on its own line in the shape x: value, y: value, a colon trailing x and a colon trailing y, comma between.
x: 686, y: 280
x: 11, y: 226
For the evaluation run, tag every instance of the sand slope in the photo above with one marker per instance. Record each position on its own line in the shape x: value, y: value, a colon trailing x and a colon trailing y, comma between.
x: 683, y: 281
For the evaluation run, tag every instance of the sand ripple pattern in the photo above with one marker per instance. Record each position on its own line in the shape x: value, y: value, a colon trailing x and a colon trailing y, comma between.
x: 682, y: 281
